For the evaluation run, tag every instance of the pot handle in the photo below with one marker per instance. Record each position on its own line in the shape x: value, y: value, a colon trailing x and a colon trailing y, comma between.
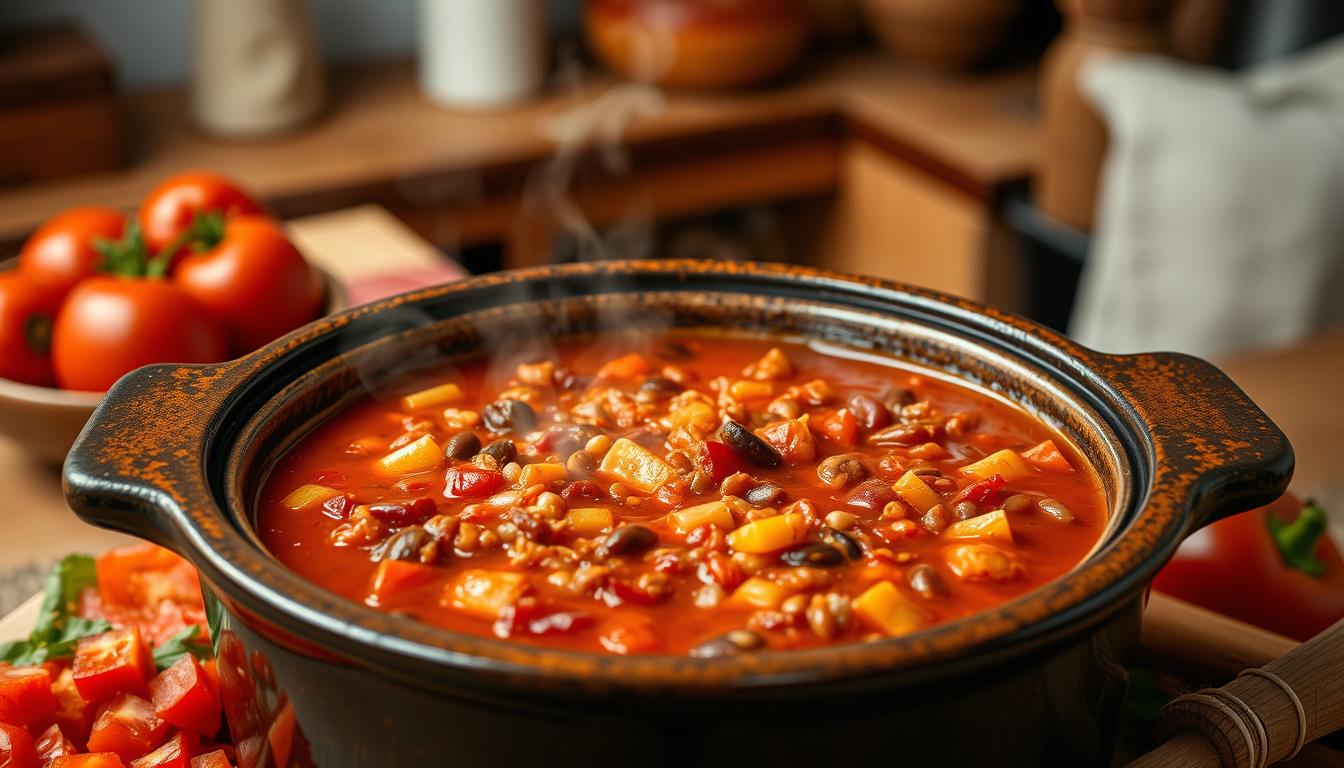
x: 138, y: 462
x: 1215, y: 450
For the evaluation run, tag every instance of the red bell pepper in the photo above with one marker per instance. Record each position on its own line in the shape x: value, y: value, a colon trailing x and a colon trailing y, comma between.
x: 1275, y: 567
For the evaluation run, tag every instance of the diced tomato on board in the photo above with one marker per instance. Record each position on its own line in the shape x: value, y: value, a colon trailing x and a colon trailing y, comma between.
x: 91, y: 760
x: 183, y: 696
x: 16, y: 747
x: 112, y: 662
x: 215, y: 759
x: 52, y: 744
x: 128, y: 726
x: 175, y: 753
x: 25, y: 695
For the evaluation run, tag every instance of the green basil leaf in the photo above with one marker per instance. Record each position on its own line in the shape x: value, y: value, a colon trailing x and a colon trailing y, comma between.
x: 179, y: 645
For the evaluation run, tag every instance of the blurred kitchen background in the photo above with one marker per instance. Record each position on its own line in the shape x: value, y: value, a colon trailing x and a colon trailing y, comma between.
x: 1147, y: 174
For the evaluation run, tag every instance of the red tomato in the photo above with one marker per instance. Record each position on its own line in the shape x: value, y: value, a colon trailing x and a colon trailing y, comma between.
x: 216, y: 759
x: 61, y: 252
x: 127, y: 726
x: 840, y: 426
x: 171, y: 208
x: 27, y: 310
x: 1287, y: 577
x: 112, y: 663
x: 183, y: 696
x: 395, y: 576
x: 719, y: 460
x: 110, y: 326
x: 73, y: 714
x: 466, y: 482
x: 52, y: 744
x: 255, y: 280
x: 16, y: 748
x: 92, y: 760
x: 175, y: 753
x: 149, y: 587
x: 25, y: 695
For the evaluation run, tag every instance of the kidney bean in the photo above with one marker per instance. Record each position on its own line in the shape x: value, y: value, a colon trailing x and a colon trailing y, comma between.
x: 402, y: 545
x: 462, y: 446
x: 816, y: 555
x: 531, y: 527
x: 583, y: 489
x: 508, y: 416
x: 660, y: 386
x: 838, y: 471
x: 729, y: 644
x: 925, y: 580
x: 627, y: 540
x: 903, y: 434
x: 869, y: 411
x: 747, y: 445
x: 502, y: 451
x: 871, y: 495
x: 408, y: 513
x: 1056, y: 511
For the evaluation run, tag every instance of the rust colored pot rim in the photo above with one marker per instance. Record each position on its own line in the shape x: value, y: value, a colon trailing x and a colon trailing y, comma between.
x: 1195, y: 448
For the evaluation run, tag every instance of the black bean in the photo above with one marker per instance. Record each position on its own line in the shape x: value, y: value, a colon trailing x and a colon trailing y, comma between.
x: 766, y: 495
x: 816, y: 555
x: 508, y: 416
x: 747, y: 445
x: 402, y: 545
x: 502, y: 451
x: 531, y: 527
x: 869, y: 411
x: 729, y: 644
x: 660, y: 386
x: 462, y: 446
x: 842, y: 541
x: 925, y: 580
x: 628, y: 540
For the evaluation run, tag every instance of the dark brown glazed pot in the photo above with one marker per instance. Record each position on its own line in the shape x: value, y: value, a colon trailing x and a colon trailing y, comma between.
x: 177, y: 454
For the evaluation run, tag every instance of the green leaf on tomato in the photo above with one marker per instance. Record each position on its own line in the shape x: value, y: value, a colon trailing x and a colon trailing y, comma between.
x: 179, y: 645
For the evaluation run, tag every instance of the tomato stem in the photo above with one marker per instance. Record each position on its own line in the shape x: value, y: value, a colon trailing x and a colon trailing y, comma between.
x: 127, y: 256
x: 1297, y: 540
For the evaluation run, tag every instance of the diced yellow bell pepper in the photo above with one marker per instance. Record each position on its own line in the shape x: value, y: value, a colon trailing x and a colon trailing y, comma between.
x: 541, y: 473
x: 760, y: 593
x: 636, y: 466
x: 916, y: 492
x: 711, y: 513
x: 310, y: 495
x: 991, y: 526
x: 745, y: 390
x: 589, y: 521
x: 884, y: 608
x: 769, y: 534
x: 1006, y: 462
x: 427, y: 398
x: 484, y: 594
x: 975, y: 561
x: 420, y: 456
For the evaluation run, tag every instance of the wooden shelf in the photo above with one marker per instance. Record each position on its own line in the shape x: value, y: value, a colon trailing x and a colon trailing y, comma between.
x: 464, y: 171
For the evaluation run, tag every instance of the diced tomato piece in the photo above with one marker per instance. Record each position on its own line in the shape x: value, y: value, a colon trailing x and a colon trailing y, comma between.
x: 143, y: 575
x: 25, y: 695
x: 16, y: 747
x: 175, y: 752
x: 533, y: 618
x: 624, y: 367
x: 52, y: 744
x: 128, y: 726
x: 91, y: 760
x: 466, y: 482
x: 73, y: 713
x: 623, y: 591
x: 393, y: 576
x: 183, y: 696
x: 840, y: 427
x: 112, y: 662
x: 630, y: 634
x: 1047, y: 456
x: 215, y: 759
x: 406, y: 513
x: 720, y: 461
x: 281, y: 733
x: 981, y: 491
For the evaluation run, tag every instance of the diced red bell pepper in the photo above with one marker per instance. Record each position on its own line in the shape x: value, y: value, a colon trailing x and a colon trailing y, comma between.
x: 183, y: 697
x: 25, y: 695
x: 91, y: 760
x: 215, y: 759
x: 467, y: 482
x: 982, y: 491
x: 16, y: 747
x: 394, y: 576
x: 840, y: 427
x: 52, y: 744
x: 175, y: 752
x: 405, y: 513
x: 128, y: 726
x: 1047, y: 456
x: 719, y: 460
x: 112, y: 662
x: 624, y: 367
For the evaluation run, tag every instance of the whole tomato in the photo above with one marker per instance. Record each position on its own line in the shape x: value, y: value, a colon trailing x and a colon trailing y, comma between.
x: 26, y: 311
x: 171, y: 209
x: 111, y: 325
x: 1275, y: 567
x: 62, y: 251
x: 254, y: 280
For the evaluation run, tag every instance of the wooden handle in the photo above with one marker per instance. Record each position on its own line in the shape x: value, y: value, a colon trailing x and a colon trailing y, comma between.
x: 1197, y: 644
x: 1263, y: 716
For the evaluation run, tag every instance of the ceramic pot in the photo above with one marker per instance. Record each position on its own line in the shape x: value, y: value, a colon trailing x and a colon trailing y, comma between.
x: 949, y: 35
x: 177, y: 454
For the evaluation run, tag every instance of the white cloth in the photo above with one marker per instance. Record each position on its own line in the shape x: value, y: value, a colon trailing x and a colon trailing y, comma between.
x: 1221, y: 211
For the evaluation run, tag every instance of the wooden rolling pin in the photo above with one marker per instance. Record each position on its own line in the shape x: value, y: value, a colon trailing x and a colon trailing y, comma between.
x: 1265, y: 715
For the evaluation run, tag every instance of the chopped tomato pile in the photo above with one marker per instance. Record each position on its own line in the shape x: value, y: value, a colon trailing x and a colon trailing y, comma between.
x: 689, y: 494
x: 117, y: 673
